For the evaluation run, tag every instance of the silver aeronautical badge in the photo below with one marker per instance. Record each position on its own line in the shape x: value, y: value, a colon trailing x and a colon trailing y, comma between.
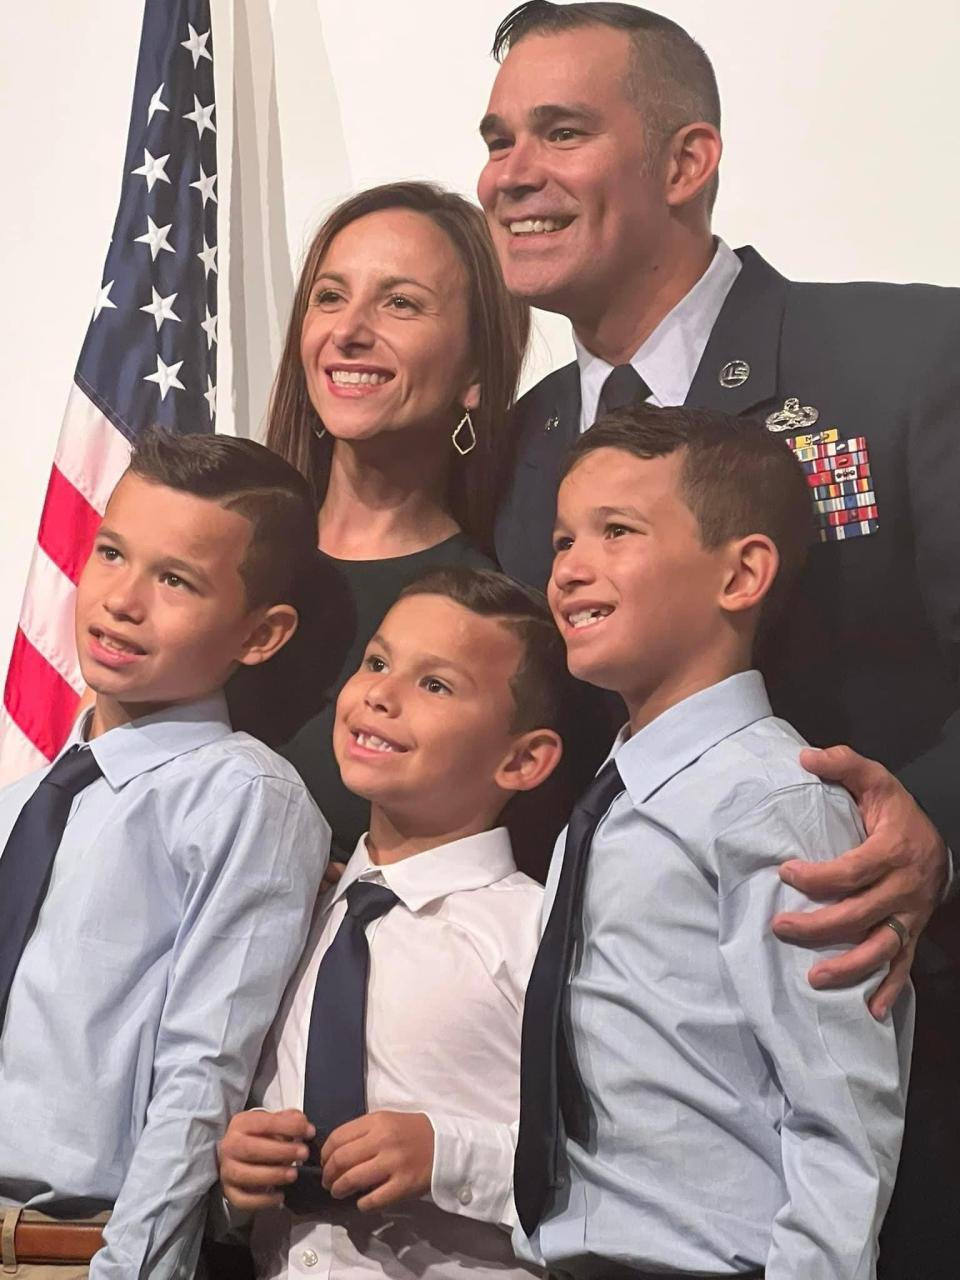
x: 734, y: 373
x: 551, y: 423
x: 794, y: 416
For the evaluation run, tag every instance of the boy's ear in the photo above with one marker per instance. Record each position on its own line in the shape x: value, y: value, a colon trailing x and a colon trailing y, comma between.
x: 751, y: 566
x: 533, y: 757
x: 269, y: 635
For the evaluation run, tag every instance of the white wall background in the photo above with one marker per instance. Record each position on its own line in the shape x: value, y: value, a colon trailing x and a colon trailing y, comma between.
x: 841, y: 163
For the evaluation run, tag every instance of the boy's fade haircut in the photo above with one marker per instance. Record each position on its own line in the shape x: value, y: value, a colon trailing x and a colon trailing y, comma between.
x: 540, y: 681
x: 736, y: 477
x: 245, y: 477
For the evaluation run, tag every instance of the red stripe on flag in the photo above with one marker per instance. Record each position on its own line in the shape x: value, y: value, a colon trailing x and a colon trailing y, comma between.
x: 38, y: 698
x: 67, y: 526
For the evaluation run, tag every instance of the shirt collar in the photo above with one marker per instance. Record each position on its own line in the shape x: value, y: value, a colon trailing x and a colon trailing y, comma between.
x: 471, y: 863
x: 668, y: 359
x: 131, y: 749
x: 682, y: 734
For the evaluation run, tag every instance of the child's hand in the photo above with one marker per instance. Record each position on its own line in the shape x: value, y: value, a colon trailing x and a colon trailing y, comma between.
x: 259, y: 1156
x: 387, y: 1154
x: 331, y: 875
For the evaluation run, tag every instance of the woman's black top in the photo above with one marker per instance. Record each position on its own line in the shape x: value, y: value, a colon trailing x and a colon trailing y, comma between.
x: 354, y: 596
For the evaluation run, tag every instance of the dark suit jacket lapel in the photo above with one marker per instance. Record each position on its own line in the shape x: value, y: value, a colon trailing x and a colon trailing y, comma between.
x: 747, y: 329
x: 549, y: 435
x: 552, y: 423
x: 548, y: 440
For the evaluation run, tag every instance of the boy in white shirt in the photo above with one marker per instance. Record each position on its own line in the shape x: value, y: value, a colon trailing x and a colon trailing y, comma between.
x: 392, y: 1137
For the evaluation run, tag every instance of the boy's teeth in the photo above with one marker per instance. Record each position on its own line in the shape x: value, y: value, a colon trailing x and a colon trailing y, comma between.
x: 587, y: 617
x: 117, y: 646
x: 352, y: 378
x: 373, y: 743
x: 533, y: 226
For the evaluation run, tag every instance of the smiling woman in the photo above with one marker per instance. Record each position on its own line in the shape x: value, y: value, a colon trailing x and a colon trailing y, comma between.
x: 392, y: 398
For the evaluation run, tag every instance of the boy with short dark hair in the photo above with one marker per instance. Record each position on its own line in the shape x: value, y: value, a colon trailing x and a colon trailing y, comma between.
x: 157, y: 881
x: 392, y: 1071
x: 690, y: 1105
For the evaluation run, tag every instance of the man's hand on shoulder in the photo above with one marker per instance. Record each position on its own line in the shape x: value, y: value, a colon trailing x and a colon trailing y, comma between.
x: 898, y: 871
x: 384, y: 1157
x: 260, y: 1155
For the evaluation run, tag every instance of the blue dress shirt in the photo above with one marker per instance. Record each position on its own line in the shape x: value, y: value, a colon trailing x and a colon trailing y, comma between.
x: 742, y: 1118
x: 179, y: 903
x: 669, y: 358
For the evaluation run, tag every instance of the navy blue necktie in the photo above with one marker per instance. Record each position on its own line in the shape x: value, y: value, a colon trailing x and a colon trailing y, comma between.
x: 334, y: 1089
x: 549, y: 1083
x: 27, y: 859
x: 623, y: 387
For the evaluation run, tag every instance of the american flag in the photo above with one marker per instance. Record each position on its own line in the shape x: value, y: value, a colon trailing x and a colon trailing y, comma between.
x: 149, y: 356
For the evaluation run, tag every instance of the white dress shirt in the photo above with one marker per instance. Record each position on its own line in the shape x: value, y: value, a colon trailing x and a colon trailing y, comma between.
x: 448, y: 970
x: 743, y: 1119
x: 178, y: 905
x: 669, y: 358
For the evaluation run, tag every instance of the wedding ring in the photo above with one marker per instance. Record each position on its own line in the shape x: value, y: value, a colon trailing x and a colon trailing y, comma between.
x: 899, y: 929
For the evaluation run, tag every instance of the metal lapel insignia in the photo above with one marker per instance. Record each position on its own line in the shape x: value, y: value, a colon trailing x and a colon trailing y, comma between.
x: 734, y: 374
x: 794, y: 416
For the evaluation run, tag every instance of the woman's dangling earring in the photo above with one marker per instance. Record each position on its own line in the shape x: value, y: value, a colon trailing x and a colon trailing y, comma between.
x: 319, y: 432
x: 464, y: 449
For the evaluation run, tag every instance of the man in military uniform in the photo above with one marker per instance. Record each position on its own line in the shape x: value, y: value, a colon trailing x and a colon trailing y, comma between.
x: 604, y: 143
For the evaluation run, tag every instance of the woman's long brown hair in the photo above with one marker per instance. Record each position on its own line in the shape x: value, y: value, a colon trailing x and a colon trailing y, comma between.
x: 499, y: 326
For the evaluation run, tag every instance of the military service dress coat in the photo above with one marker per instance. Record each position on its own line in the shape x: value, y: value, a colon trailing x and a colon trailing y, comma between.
x: 864, y: 381
x: 869, y: 652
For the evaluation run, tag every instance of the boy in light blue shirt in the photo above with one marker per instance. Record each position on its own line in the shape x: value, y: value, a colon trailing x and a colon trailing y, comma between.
x: 690, y: 1105
x: 157, y: 882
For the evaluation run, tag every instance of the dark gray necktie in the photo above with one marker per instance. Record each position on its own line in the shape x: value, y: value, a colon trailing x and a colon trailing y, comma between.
x: 549, y: 1082
x: 622, y: 388
x: 334, y: 1089
x: 27, y: 859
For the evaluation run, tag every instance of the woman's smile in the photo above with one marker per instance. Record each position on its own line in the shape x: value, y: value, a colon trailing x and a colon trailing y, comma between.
x: 352, y: 381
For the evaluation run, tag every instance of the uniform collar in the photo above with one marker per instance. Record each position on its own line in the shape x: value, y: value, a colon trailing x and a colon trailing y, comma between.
x: 471, y: 863
x: 747, y: 335
x: 666, y: 746
x: 135, y: 748
x: 668, y: 359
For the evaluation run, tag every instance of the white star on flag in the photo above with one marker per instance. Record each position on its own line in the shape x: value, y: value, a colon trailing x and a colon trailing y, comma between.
x: 202, y: 117
x: 204, y: 185
x: 210, y: 395
x: 197, y: 45
x: 209, y: 327
x: 208, y: 256
x: 103, y: 300
x: 156, y: 104
x: 161, y: 308
x: 166, y: 377
x: 156, y: 238
x: 153, y: 168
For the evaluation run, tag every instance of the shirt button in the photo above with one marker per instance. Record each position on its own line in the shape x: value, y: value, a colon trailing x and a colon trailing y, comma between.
x: 309, y: 1257
x: 465, y: 1196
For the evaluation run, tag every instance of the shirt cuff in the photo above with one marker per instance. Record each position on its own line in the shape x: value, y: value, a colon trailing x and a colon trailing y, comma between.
x: 473, y: 1168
